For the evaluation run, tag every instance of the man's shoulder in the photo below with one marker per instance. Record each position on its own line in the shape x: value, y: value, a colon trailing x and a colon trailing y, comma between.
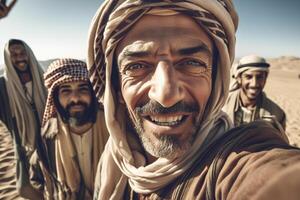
x: 233, y: 94
x: 100, y: 107
x: 255, y: 133
x: 271, y: 106
x: 231, y: 100
x: 50, y: 129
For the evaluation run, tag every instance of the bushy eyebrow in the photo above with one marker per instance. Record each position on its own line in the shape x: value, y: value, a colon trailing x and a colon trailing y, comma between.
x: 202, y: 48
x: 83, y: 85
x: 68, y: 86
x: 184, y: 51
x: 137, y: 54
x: 196, y: 49
x: 133, y: 54
x: 64, y: 87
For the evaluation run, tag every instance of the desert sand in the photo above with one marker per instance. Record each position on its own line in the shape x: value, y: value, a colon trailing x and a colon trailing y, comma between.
x: 7, y: 166
x: 283, y: 86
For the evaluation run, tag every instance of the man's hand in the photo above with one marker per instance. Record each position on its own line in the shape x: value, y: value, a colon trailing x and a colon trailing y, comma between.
x: 4, y: 9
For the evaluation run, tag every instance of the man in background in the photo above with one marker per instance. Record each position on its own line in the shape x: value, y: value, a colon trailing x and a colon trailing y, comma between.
x: 247, y: 102
x: 74, y: 134
x: 22, y: 109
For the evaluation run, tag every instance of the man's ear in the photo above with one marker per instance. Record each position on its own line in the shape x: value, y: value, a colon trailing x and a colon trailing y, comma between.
x: 120, y: 98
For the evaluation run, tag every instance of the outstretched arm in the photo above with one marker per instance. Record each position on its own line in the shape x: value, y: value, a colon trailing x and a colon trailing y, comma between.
x: 4, y: 9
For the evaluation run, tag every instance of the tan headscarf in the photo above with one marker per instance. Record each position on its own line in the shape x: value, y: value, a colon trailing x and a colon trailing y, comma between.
x: 122, y: 160
x: 20, y: 106
x: 68, y: 173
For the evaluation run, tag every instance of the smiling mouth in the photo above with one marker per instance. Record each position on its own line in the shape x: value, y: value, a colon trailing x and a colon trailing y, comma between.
x: 167, y: 120
x: 77, y: 107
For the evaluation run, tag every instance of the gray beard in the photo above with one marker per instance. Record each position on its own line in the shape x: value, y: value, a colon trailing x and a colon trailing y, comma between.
x: 169, y: 147
x: 166, y: 146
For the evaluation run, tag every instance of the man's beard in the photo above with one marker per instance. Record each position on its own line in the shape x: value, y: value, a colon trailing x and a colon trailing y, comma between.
x: 167, y: 146
x: 77, y: 118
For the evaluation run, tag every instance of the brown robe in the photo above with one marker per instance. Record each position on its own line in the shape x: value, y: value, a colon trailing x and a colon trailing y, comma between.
x: 246, y: 163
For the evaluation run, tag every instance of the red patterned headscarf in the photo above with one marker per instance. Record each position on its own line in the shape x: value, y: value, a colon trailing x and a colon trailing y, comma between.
x: 60, y: 72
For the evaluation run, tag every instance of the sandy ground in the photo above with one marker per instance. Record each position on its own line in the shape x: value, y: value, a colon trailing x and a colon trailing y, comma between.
x: 283, y: 86
x: 7, y: 166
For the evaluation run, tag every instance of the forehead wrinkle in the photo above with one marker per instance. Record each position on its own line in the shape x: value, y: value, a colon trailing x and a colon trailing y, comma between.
x: 148, y: 32
x: 137, y: 49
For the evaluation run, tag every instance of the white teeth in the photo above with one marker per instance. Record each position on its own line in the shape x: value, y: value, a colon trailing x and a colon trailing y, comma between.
x: 164, y: 119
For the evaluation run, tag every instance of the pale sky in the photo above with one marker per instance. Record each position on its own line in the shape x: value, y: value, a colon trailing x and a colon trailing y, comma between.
x: 59, y: 28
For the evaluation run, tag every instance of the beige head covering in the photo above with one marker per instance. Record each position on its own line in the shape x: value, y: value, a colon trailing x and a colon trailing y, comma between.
x: 67, y: 169
x: 59, y: 72
x: 20, y: 106
x: 247, y: 63
x: 122, y: 160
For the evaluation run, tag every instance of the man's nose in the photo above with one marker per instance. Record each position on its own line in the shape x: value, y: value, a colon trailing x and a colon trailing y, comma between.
x: 74, y: 97
x: 254, y: 82
x: 166, y: 88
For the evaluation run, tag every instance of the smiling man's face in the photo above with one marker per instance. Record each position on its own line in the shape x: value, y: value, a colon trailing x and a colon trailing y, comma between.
x: 75, y: 102
x: 165, y: 80
x: 19, y: 57
x: 252, y: 83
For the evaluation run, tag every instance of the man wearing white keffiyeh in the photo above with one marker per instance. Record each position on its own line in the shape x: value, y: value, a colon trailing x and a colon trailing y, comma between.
x: 161, y: 69
x: 247, y: 101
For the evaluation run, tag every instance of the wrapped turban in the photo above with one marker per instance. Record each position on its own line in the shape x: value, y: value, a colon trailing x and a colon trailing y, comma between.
x: 60, y: 72
x: 109, y: 26
x: 248, y: 63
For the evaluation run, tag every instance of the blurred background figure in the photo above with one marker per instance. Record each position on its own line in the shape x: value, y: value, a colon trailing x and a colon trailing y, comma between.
x: 247, y: 102
x: 23, y: 107
x: 74, y: 134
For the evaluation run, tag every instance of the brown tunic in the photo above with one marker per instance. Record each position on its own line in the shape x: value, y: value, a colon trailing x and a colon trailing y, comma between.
x: 239, y: 165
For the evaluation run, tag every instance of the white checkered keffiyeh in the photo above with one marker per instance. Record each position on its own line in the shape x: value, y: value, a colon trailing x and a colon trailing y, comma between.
x: 59, y: 72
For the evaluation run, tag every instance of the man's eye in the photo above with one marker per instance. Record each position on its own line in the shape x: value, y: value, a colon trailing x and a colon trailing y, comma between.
x: 135, y: 69
x: 84, y: 89
x: 135, y: 66
x: 192, y: 66
x: 194, y: 63
x: 65, y: 91
x: 260, y: 77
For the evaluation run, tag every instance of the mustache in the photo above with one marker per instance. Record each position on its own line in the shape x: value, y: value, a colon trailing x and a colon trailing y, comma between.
x: 79, y: 103
x: 153, y: 107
